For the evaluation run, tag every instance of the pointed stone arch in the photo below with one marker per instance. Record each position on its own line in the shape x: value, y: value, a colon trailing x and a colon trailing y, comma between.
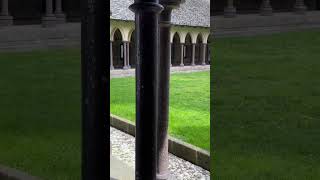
x: 188, y: 49
x: 118, y: 50
x: 132, y: 49
x: 198, y: 49
x: 176, y: 49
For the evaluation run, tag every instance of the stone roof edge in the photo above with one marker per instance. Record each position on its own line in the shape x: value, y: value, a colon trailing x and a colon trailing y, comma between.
x: 204, y: 27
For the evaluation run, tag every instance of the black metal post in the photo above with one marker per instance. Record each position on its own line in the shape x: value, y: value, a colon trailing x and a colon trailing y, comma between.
x: 95, y: 72
x: 147, y: 56
x: 164, y: 81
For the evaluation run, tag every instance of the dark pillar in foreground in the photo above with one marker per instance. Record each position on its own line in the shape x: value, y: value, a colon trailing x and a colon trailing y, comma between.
x: 147, y: 56
x: 95, y: 72
x: 164, y: 78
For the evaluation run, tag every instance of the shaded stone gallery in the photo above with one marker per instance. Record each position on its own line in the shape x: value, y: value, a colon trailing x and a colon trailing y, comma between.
x: 188, y: 38
x: 230, y: 8
x: 252, y: 17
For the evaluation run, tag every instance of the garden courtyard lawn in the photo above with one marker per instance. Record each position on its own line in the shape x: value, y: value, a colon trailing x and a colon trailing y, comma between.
x: 40, y: 111
x: 266, y: 106
x: 189, y: 105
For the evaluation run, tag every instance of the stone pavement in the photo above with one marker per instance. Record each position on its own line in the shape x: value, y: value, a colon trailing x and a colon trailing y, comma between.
x: 118, y: 73
x: 123, y: 148
x: 120, y: 170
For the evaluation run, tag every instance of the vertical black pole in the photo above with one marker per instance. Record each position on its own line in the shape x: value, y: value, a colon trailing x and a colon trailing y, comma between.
x: 95, y: 71
x: 164, y: 81
x: 147, y: 51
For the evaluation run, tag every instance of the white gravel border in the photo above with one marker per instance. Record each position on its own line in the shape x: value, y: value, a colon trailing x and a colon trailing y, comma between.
x: 123, y: 148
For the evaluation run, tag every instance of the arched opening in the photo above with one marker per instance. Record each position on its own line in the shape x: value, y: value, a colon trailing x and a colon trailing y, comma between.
x: 188, y: 50
x: 283, y: 6
x: 199, y: 46
x: 208, y: 51
x: 217, y: 8
x: 72, y: 10
x: 118, y: 54
x: 26, y: 12
x: 132, y: 51
x: 247, y: 6
x: 176, y: 50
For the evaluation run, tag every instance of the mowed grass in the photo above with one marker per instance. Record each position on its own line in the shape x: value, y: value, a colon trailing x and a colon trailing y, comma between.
x: 189, y: 105
x: 266, y: 107
x: 40, y: 113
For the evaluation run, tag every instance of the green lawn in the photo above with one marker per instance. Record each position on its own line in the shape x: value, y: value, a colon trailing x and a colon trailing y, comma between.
x: 266, y: 107
x: 40, y: 113
x: 189, y: 105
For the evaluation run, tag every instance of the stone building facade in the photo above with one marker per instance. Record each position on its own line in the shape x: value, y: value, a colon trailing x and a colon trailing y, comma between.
x: 46, y: 12
x: 189, y: 35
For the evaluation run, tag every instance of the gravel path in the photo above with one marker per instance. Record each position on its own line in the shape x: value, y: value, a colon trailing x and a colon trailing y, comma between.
x: 123, y: 148
x: 118, y: 73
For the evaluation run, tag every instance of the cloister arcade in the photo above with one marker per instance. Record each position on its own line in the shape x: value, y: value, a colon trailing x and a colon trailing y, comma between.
x: 230, y: 8
x: 188, y: 45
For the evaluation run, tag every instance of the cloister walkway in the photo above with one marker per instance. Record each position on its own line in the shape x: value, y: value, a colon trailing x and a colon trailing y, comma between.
x: 118, y: 73
x: 31, y: 37
x: 255, y: 24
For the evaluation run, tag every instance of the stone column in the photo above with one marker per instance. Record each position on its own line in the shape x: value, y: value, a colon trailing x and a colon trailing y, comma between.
x: 125, y: 61
x: 111, y: 56
x: 164, y: 83
x: 5, y: 18
x: 182, y: 54
x: 170, y: 54
x: 230, y: 11
x: 300, y: 7
x: 147, y: 86
x: 266, y: 9
x: 49, y: 19
x: 204, y: 48
x: 128, y: 55
x: 61, y: 17
x: 209, y: 54
x: 95, y: 90
x: 193, y: 54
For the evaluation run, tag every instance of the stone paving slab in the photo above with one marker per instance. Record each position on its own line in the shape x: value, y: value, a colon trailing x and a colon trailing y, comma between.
x: 120, y: 170
x: 119, y: 73
x: 123, y: 148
